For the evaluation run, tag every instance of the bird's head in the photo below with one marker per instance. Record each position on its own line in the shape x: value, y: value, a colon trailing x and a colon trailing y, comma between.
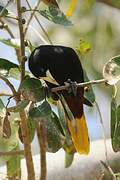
x: 38, y: 62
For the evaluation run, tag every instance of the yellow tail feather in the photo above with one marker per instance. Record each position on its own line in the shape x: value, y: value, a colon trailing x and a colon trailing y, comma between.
x: 80, y: 136
x: 71, y: 8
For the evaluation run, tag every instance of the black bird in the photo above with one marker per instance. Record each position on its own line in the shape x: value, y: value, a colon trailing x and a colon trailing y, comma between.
x: 64, y: 64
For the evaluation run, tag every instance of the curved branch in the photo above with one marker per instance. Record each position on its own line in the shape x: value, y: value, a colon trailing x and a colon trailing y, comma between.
x: 10, y: 85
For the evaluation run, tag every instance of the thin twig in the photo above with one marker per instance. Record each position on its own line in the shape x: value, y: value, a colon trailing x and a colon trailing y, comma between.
x: 10, y: 85
x: 108, y: 168
x: 67, y: 85
x: 106, y: 165
x: 44, y: 31
x: 12, y: 153
x: 40, y: 133
x: 5, y: 6
x: 12, y: 17
x: 7, y: 28
x: 38, y: 34
x: 32, y: 14
x: 103, y: 131
x: 5, y: 94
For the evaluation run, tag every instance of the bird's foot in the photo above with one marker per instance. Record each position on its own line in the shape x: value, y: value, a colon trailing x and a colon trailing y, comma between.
x: 72, y: 87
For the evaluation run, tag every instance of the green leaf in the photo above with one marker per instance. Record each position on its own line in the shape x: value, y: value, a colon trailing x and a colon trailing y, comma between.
x: 66, y: 107
x: 9, y: 69
x: 117, y: 60
x: 31, y: 126
x: 84, y: 47
x: 57, y: 123
x: 56, y: 16
x: 43, y: 110
x: 68, y: 144
x: 15, y: 43
x: 53, y: 137
x: 62, y: 118
x: 2, y: 106
x: 89, y: 95
x: 113, y: 116
x: 32, y: 90
x: 117, y: 176
x: 21, y: 105
x: 115, y: 127
x: 11, y: 143
x: 13, y: 166
x: 68, y: 159
x: 3, y: 11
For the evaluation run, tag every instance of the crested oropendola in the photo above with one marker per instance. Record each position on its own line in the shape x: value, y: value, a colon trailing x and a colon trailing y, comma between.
x: 63, y: 63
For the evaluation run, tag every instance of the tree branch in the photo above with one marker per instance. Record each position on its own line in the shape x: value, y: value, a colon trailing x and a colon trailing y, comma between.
x: 10, y: 85
x: 22, y: 44
x: 5, y: 94
x: 23, y: 116
x: 67, y: 85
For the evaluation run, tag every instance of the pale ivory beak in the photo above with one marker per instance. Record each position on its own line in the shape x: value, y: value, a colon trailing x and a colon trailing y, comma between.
x: 49, y: 78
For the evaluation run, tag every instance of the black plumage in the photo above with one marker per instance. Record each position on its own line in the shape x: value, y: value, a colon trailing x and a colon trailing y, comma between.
x: 63, y: 64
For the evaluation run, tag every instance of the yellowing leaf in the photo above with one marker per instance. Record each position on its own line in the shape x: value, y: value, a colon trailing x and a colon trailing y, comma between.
x: 71, y: 8
x: 83, y: 47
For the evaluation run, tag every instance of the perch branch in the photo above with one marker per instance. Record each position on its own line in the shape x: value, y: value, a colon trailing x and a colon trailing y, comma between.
x: 67, y: 85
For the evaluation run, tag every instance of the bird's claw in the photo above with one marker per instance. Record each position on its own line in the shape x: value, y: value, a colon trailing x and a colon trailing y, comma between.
x: 72, y: 87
